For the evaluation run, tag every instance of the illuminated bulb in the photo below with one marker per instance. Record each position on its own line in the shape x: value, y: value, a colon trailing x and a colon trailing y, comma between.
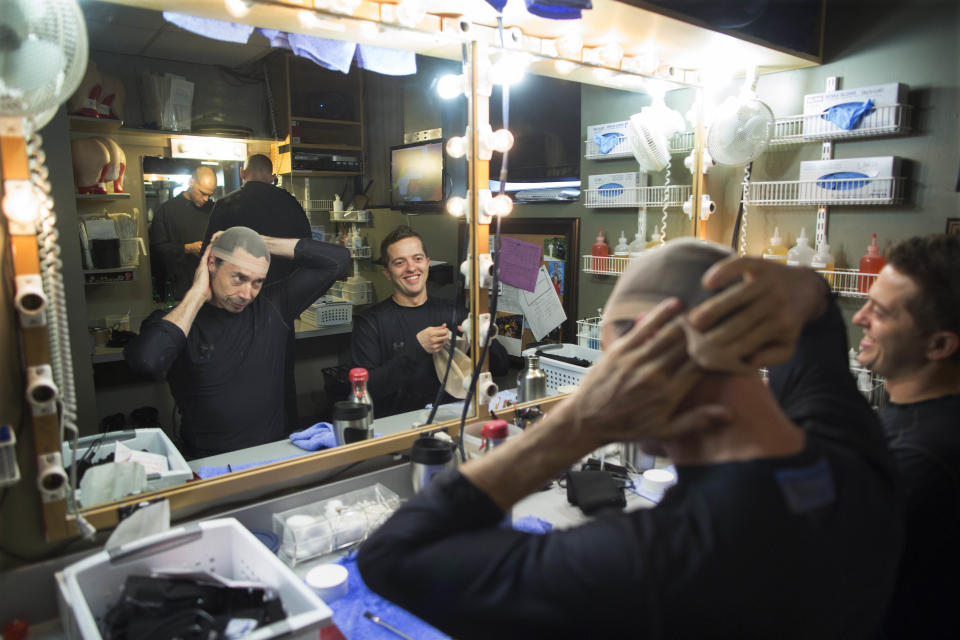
x: 312, y: 21
x: 457, y: 206
x: 20, y: 202
x: 238, y: 8
x: 345, y: 6
x: 509, y: 69
x: 592, y: 56
x: 457, y: 146
x: 500, y: 205
x: 501, y: 140
x: 648, y: 63
x: 564, y: 67
x: 451, y: 86
x: 603, y: 75
x: 410, y: 12
x: 611, y: 54
x: 569, y: 46
x: 370, y: 30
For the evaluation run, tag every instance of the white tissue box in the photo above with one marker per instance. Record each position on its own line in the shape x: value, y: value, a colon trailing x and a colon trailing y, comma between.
x: 881, y: 94
x: 838, y: 180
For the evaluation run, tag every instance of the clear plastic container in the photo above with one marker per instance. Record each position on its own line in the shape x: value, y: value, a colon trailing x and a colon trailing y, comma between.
x: 329, y: 525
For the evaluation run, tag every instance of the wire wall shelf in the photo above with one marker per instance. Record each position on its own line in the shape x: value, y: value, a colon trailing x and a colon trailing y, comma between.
x: 589, y: 331
x: 846, y: 191
x: 680, y: 143
x: 848, y: 283
x: 311, y: 206
x: 888, y: 120
x: 362, y: 253
x: 637, y: 196
x: 605, y: 265
x: 360, y: 215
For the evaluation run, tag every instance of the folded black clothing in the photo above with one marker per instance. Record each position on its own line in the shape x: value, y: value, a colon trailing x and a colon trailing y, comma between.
x: 580, y: 362
x: 594, y: 491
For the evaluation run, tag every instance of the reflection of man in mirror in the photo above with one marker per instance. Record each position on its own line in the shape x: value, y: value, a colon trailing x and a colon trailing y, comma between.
x: 222, y: 348
x: 270, y: 211
x: 395, y: 339
x: 176, y: 233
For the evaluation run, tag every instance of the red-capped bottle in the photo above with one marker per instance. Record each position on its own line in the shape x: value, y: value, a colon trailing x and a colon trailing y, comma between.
x: 871, y: 263
x: 494, y: 434
x: 358, y: 380
x: 600, y: 252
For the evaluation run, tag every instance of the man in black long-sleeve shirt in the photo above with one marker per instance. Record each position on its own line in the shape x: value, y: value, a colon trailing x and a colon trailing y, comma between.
x: 177, y: 230
x: 782, y: 525
x: 222, y: 348
x: 395, y: 339
x: 911, y: 336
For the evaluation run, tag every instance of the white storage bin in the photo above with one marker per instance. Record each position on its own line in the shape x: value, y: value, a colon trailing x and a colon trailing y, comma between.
x: 560, y: 374
x: 151, y: 440
x: 328, y: 311
x: 88, y: 588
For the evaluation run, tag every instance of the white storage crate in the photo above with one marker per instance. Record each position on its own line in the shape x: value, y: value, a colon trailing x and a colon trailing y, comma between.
x: 561, y: 374
x: 151, y: 440
x: 88, y: 588
x: 328, y: 311
x: 589, y: 332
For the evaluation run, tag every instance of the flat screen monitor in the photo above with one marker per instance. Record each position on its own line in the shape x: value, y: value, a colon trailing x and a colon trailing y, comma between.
x: 417, y: 176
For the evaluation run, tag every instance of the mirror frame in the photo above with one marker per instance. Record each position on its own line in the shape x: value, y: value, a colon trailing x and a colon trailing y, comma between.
x: 437, y: 37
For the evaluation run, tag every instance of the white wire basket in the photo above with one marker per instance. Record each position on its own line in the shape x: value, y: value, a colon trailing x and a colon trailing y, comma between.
x: 562, y: 374
x: 328, y: 311
x: 589, y: 332
x: 360, y: 215
x: 637, y: 196
x: 846, y: 191
x: 848, y: 283
x: 362, y: 253
x: 88, y: 588
x: 680, y: 143
x: 316, y: 206
x: 605, y: 265
x: 887, y: 120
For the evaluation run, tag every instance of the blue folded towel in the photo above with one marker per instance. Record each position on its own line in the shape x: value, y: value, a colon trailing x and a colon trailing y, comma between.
x: 389, y: 62
x: 210, y: 28
x: 348, y: 612
x: 319, y: 436
x: 532, y: 524
x: 558, y: 9
x: 214, y: 471
x: 329, y: 54
x: 847, y: 115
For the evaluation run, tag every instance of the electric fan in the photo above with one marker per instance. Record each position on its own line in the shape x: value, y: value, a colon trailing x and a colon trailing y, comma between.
x: 740, y: 129
x: 649, y: 133
x: 43, y: 55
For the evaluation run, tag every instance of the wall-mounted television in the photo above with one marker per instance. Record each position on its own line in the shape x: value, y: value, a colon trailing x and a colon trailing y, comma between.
x: 417, y: 177
x: 544, y: 117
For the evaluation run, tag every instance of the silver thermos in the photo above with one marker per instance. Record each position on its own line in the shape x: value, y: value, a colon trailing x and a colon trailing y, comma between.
x: 532, y: 381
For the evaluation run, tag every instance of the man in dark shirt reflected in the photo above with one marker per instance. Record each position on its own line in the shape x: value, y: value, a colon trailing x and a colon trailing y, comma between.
x: 176, y: 233
x: 222, y: 348
x: 395, y: 339
x: 911, y: 337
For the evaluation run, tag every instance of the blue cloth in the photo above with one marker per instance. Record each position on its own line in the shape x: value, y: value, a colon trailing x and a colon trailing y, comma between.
x: 329, y: 54
x: 348, y: 612
x: 319, y: 436
x: 558, y: 9
x: 847, y: 115
x: 214, y: 471
x: 210, y: 28
x: 532, y: 524
x: 389, y: 62
x: 607, y: 141
x: 497, y: 4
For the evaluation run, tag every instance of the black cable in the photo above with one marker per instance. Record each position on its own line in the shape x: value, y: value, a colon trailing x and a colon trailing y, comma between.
x: 735, y: 241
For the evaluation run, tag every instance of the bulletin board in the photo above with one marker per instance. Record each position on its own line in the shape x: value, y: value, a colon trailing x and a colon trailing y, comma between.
x: 559, y: 239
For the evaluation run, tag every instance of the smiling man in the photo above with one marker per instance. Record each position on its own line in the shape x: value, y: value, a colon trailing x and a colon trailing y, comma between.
x: 395, y: 339
x: 911, y: 336
x: 222, y: 348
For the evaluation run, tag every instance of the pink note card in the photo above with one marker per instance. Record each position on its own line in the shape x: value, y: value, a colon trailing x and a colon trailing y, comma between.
x: 519, y: 263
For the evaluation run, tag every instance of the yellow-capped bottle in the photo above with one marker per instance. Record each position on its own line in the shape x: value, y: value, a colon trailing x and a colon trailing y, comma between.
x: 776, y: 251
x: 654, y: 241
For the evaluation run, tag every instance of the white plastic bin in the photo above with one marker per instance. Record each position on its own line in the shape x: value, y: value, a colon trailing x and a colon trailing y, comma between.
x: 560, y: 374
x: 88, y: 588
x: 152, y: 440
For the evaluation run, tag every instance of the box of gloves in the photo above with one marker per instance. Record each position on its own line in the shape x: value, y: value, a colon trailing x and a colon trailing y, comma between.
x: 608, y: 140
x: 871, y: 179
x: 847, y: 109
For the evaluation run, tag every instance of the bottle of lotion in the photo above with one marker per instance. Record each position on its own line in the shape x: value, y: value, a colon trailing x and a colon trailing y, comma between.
x: 776, y: 251
x: 800, y: 254
x: 823, y: 261
x: 622, y: 251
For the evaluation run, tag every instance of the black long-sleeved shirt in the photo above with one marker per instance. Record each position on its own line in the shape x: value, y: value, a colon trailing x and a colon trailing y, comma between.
x: 402, y: 374
x: 803, y: 546
x: 226, y: 374
x: 178, y: 222
x: 925, y: 440
x: 268, y: 210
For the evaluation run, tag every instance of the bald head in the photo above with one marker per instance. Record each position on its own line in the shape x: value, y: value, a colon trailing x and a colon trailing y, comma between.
x: 203, y: 184
x: 258, y: 168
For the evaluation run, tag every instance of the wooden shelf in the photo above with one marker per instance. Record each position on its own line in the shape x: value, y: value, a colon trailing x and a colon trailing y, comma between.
x: 323, y: 120
x: 93, y: 197
x: 94, y: 125
x: 334, y: 147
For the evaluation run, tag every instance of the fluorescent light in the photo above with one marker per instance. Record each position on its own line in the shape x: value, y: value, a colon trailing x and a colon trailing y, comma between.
x: 204, y: 148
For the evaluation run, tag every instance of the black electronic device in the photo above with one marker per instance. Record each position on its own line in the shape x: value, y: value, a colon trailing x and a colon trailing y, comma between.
x: 420, y: 180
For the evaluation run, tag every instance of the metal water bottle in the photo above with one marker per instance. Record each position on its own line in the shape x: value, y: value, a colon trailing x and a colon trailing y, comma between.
x: 358, y: 380
x: 532, y: 381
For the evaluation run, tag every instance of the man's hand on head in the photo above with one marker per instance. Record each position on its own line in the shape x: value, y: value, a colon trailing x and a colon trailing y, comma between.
x: 432, y: 339
x: 201, y: 277
x: 193, y: 248
x: 763, y: 309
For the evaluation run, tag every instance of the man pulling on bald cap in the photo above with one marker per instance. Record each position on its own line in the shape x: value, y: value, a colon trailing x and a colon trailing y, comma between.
x: 222, y: 348
x: 782, y: 524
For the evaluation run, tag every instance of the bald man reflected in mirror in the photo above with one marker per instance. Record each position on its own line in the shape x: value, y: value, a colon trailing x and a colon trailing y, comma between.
x: 176, y: 233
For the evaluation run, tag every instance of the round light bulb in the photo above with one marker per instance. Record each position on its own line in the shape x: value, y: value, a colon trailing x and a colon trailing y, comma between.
x: 345, y: 6
x: 569, y: 46
x: 450, y: 86
x: 238, y: 8
x: 457, y: 206
x: 564, y: 67
x: 21, y: 205
x: 410, y: 12
x: 611, y: 54
x: 500, y: 205
x: 648, y: 63
x: 508, y: 69
x: 501, y: 140
x: 457, y: 146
